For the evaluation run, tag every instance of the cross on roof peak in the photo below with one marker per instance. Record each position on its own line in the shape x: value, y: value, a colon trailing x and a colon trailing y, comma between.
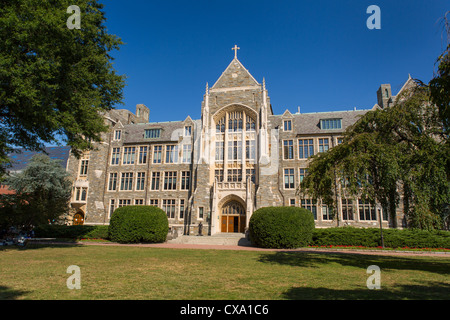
x: 236, y: 48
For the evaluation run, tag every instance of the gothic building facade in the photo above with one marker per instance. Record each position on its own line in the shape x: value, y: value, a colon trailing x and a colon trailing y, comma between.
x: 219, y: 169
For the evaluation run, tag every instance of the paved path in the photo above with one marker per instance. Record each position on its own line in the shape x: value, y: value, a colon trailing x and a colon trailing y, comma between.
x: 250, y: 248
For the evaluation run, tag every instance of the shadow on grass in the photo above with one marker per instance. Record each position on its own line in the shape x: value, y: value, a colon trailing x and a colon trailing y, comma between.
x: 6, y: 293
x: 32, y: 245
x: 429, y: 291
x: 315, y: 260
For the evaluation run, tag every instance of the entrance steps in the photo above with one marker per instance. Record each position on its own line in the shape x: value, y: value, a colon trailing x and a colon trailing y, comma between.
x: 224, y: 239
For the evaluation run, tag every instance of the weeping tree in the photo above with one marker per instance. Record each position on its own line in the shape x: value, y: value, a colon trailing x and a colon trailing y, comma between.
x: 389, y: 155
x: 41, y: 194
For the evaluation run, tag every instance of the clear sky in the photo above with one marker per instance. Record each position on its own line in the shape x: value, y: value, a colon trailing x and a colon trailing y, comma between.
x: 316, y: 54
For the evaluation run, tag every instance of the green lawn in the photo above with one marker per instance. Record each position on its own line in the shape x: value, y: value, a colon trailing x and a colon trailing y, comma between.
x: 114, y: 272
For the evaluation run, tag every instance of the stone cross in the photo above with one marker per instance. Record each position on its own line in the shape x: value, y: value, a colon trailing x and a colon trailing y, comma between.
x: 236, y: 48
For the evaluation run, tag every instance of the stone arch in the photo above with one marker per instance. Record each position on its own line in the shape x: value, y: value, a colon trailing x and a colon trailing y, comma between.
x: 234, y: 107
x: 233, y: 215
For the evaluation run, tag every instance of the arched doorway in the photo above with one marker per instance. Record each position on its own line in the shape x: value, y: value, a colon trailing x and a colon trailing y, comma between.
x: 78, y: 219
x: 233, y: 217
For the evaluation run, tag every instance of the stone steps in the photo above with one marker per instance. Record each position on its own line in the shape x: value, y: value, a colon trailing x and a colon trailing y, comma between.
x: 224, y: 239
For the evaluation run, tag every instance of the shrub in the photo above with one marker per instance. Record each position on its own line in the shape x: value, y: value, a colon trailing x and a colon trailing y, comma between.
x: 71, y: 232
x: 281, y: 227
x: 370, y: 237
x: 135, y: 224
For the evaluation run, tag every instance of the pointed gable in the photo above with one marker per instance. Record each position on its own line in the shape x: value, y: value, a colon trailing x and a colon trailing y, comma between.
x: 235, y: 75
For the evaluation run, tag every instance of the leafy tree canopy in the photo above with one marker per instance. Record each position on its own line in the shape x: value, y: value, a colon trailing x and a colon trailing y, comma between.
x: 54, y: 81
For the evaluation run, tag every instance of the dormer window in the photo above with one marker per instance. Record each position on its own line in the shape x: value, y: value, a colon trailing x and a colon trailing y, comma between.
x: 330, y: 124
x: 187, y: 131
x: 117, y: 135
x: 152, y: 133
x: 287, y: 125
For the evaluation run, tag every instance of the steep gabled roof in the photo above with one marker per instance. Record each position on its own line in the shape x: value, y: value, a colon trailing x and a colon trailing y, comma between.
x: 235, y: 75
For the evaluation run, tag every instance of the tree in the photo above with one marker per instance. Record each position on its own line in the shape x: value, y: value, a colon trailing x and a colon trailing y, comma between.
x: 42, y: 194
x: 388, y: 155
x: 55, y: 82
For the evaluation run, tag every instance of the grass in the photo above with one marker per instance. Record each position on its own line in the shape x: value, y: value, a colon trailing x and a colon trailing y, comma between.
x: 137, y: 273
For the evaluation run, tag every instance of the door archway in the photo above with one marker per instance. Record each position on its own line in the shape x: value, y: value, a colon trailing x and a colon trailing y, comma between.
x: 78, y: 219
x: 233, y: 217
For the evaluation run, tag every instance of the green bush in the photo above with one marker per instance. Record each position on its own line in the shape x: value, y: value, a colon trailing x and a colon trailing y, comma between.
x: 71, y: 232
x: 281, y: 227
x: 370, y: 237
x: 136, y: 224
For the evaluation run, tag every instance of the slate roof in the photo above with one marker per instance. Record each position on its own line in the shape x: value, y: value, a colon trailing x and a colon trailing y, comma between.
x: 170, y: 131
x: 21, y: 157
x: 309, y: 123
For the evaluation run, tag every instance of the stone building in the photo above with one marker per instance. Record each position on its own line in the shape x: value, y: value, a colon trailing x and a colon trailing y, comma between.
x: 219, y: 169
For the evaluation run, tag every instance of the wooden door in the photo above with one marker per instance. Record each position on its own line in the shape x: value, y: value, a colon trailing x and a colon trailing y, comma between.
x: 230, y: 224
x: 224, y: 223
x: 78, y: 219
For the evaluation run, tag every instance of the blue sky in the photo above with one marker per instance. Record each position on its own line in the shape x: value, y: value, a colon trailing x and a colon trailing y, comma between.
x: 318, y: 55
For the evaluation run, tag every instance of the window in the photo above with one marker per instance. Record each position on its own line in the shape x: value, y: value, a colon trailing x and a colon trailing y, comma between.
x: 287, y: 125
x: 138, y: 202
x: 288, y: 149
x: 305, y: 148
x: 250, y: 173
x: 81, y: 194
x: 220, y: 127
x: 292, y: 202
x: 250, y: 150
x: 219, y: 175
x: 84, y: 168
x: 143, y: 151
x: 126, y: 183
x: 171, y: 154
x: 182, y: 208
x: 156, y: 176
x: 310, y: 205
x: 340, y: 140
x: 117, y: 135
x: 330, y: 124
x: 129, y: 155
x: 152, y: 133
x: 157, y: 154
x: 154, y: 202
x: 327, y: 213
x: 185, y: 180
x: 115, y: 158
x: 170, y: 180
x: 303, y: 173
x: 234, y: 175
x: 112, y: 181
x: 235, y: 121
x: 169, y: 208
x: 250, y: 124
x: 347, y: 209
x: 112, y: 207
x: 323, y: 145
x: 140, y: 181
x: 187, y: 153
x: 187, y: 131
x: 124, y: 203
x: 200, y: 212
x: 366, y: 210
x: 234, y: 150
x: 219, y: 150
x: 289, y: 179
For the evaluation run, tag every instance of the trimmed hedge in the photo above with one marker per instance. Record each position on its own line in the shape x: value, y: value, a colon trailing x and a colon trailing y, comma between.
x: 137, y: 224
x: 370, y: 237
x: 71, y: 232
x: 281, y: 227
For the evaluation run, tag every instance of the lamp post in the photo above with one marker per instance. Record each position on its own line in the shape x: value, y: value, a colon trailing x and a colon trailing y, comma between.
x: 381, y: 229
